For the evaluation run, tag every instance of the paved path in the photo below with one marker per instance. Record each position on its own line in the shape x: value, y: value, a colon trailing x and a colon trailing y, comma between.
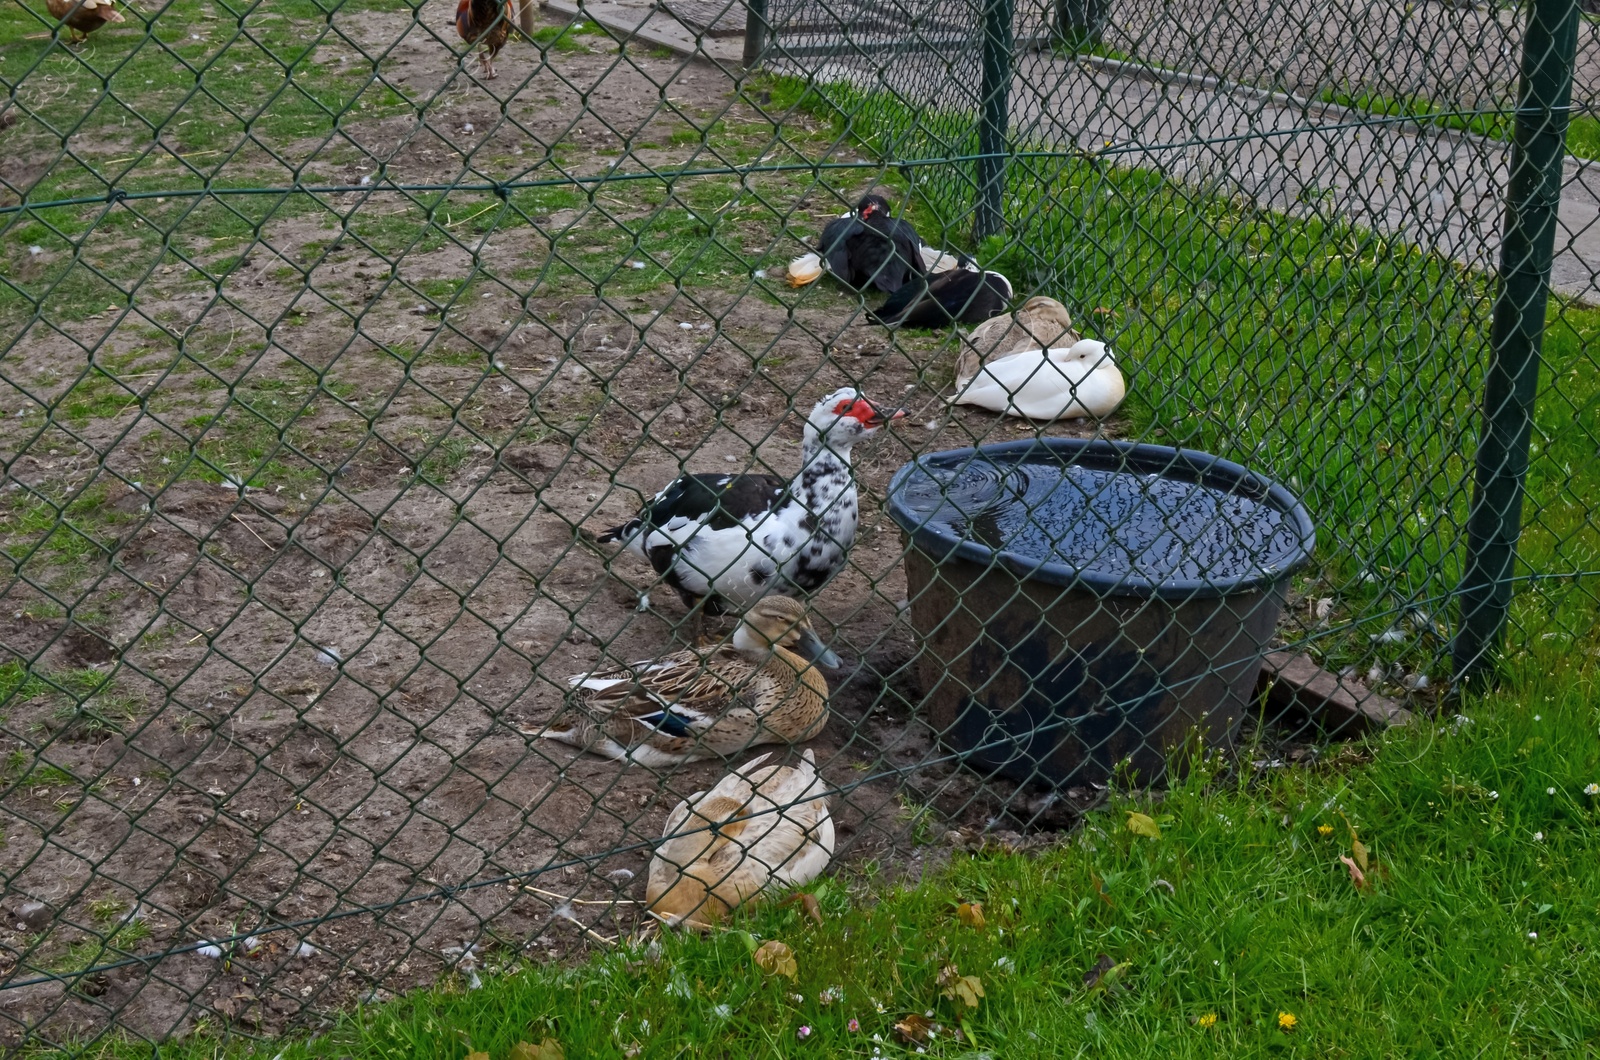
x: 1439, y: 189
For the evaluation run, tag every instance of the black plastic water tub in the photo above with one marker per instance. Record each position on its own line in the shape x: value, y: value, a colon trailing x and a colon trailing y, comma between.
x: 1085, y: 606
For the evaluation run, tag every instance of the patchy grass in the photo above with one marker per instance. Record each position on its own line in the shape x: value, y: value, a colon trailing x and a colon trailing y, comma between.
x: 1474, y: 933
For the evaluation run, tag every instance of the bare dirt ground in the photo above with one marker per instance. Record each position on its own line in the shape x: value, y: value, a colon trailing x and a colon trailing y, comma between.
x: 294, y: 708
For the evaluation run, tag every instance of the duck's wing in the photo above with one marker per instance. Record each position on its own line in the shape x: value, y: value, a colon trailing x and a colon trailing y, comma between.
x: 903, y: 301
x: 834, y: 245
x: 679, y: 695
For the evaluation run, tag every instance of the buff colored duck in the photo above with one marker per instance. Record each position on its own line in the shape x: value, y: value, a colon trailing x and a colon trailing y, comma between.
x: 1056, y: 384
x: 1041, y: 324
x: 707, y: 702
x: 757, y: 830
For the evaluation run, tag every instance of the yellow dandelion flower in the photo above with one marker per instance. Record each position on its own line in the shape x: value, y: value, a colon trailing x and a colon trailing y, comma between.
x: 1324, y: 830
x: 1287, y: 1021
x: 1207, y: 1021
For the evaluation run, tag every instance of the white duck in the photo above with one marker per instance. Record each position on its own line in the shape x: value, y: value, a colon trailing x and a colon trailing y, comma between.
x: 759, y: 829
x: 1078, y: 381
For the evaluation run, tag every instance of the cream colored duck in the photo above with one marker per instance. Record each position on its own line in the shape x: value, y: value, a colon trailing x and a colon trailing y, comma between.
x: 1041, y: 324
x: 707, y: 702
x: 759, y: 829
x: 1055, y: 384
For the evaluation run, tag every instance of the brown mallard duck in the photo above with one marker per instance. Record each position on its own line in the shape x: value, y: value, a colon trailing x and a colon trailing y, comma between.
x: 761, y: 687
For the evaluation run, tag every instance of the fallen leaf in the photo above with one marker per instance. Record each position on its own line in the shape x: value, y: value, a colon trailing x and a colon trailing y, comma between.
x: 971, y: 914
x: 963, y: 989
x: 549, y: 1049
x: 477, y: 1056
x: 917, y: 1030
x: 775, y: 958
x: 1360, y: 852
x: 1143, y: 824
x: 1357, y: 877
x: 809, y: 906
x: 1100, y: 889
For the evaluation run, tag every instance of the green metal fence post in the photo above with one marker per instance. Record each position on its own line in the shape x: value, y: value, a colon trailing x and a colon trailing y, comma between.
x: 755, y: 31
x: 1533, y: 196
x: 995, y: 118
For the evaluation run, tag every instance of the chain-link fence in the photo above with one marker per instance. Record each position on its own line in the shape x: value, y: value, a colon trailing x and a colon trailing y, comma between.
x: 326, y: 359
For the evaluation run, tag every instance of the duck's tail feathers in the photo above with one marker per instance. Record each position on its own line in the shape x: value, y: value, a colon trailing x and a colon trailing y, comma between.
x: 618, y: 533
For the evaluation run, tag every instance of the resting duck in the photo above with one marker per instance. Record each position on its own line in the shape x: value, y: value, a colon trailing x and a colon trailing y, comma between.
x: 959, y: 295
x: 759, y: 829
x: 870, y: 246
x: 1071, y: 383
x: 707, y: 702
x: 737, y: 538
x: 1041, y: 324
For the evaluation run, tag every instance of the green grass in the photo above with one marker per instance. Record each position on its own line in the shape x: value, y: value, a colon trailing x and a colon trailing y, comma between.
x: 1583, y: 130
x: 1477, y: 937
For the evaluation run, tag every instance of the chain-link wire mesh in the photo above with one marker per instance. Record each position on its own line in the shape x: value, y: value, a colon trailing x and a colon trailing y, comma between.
x: 325, y: 359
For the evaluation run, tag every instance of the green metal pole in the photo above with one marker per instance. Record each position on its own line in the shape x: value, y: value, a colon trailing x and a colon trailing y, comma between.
x: 994, y: 118
x: 1533, y: 196
x: 755, y: 31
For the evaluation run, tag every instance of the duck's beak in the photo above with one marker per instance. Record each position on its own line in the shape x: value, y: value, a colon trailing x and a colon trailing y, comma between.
x: 813, y: 650
x: 881, y: 416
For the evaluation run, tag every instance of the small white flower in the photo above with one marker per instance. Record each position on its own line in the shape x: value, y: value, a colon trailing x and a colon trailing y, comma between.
x: 1533, y: 934
x: 1549, y: 791
x: 1494, y: 795
x: 1538, y: 837
x: 1592, y: 789
x: 1536, y: 717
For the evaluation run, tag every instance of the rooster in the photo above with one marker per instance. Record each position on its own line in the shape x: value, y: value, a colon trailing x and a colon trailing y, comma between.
x: 83, y: 17
x: 485, y: 22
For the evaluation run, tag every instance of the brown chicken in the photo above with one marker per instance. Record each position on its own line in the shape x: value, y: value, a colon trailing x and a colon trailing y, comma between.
x: 84, y: 17
x: 485, y: 22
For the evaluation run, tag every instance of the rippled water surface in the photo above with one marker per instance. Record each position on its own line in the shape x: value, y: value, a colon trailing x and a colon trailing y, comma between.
x: 1112, y: 523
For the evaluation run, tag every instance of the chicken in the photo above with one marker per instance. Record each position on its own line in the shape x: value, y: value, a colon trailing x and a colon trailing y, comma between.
x: 83, y: 17
x: 485, y: 22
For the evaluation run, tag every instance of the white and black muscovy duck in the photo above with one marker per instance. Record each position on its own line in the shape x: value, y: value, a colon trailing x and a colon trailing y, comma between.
x: 871, y: 246
x: 958, y: 296
x: 732, y: 539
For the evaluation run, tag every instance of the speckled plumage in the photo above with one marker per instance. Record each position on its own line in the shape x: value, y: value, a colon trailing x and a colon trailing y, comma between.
x: 740, y: 538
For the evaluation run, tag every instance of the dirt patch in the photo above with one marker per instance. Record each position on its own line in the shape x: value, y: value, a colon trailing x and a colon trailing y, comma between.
x: 298, y: 563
